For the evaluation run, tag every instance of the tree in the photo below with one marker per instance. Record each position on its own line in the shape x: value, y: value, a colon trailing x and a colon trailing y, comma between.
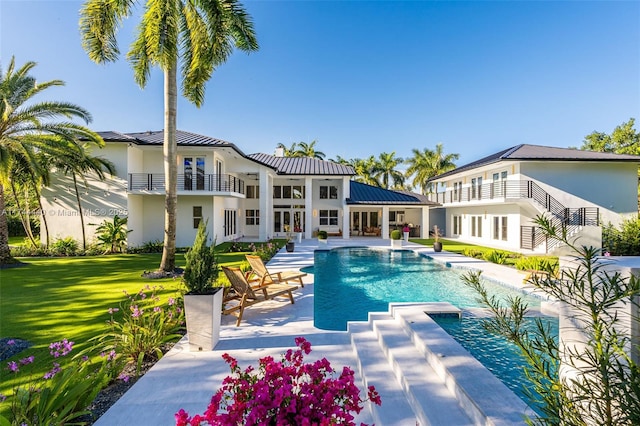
x: 27, y: 127
x: 200, y: 35
x: 427, y: 164
x: 78, y: 162
x: 385, y: 170
x: 366, y: 170
x: 308, y: 150
x: 623, y: 140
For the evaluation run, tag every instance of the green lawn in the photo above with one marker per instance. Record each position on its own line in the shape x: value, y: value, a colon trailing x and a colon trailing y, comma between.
x: 50, y: 299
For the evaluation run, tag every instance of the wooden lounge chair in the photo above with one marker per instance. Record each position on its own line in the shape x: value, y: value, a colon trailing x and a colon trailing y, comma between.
x: 247, y: 296
x: 264, y: 277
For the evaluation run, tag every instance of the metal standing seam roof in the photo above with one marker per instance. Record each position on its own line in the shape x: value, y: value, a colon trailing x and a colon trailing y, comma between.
x: 362, y: 193
x: 282, y: 165
x: 527, y: 152
x: 302, y: 165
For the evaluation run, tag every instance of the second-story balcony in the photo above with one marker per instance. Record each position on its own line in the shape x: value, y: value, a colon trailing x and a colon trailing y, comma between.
x: 213, y: 184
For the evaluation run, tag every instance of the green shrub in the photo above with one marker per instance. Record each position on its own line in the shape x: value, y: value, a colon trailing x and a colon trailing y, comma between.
x: 112, y: 235
x: 624, y: 241
x: 64, y: 247
x: 496, y: 256
x: 396, y: 235
x: 322, y: 235
x: 201, y: 268
x: 475, y: 253
x: 537, y: 263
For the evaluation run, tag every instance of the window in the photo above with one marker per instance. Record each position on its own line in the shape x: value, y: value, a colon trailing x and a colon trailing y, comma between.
x: 197, y: 216
x: 457, y: 191
x: 253, y: 191
x: 298, y: 191
x: 500, y: 228
x: 328, y: 192
x: 252, y: 217
x: 457, y: 225
x: 504, y: 228
x: 229, y: 222
x: 476, y: 226
x: 286, y: 191
x: 328, y: 217
x: 476, y: 188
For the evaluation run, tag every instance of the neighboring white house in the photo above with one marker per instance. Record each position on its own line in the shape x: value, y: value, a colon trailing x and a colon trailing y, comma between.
x: 254, y: 197
x: 493, y: 201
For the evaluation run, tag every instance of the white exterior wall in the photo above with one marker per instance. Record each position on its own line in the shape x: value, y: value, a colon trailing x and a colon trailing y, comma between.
x: 327, y: 204
x: 100, y: 200
x: 487, y: 214
x: 610, y: 186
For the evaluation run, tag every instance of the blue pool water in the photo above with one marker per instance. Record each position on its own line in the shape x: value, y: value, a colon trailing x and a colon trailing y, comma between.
x: 498, y: 355
x: 351, y: 282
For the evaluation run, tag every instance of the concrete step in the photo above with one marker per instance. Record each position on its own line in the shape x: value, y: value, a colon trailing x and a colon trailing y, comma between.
x: 482, y: 396
x: 429, y: 397
x: 375, y: 370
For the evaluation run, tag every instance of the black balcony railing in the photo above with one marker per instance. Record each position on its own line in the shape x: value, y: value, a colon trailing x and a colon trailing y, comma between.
x: 154, y: 182
x: 530, y: 236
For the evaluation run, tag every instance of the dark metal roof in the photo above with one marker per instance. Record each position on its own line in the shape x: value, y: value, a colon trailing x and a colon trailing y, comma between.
x: 526, y: 152
x: 361, y: 193
x: 302, y: 165
x: 157, y: 138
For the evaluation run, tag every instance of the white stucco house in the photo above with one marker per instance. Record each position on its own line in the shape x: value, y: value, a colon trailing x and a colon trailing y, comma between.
x: 253, y: 197
x: 493, y: 201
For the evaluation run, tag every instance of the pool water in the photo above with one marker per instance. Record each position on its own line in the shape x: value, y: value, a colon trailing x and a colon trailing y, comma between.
x: 351, y: 282
x: 500, y: 356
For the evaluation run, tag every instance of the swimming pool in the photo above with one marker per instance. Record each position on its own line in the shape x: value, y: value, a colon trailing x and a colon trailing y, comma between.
x: 351, y: 282
x: 498, y: 355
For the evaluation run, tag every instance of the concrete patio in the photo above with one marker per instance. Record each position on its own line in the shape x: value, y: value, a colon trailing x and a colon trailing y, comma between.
x: 187, y: 380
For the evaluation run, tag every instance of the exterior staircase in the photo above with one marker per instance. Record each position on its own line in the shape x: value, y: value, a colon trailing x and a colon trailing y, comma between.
x: 424, y: 376
x: 571, y: 219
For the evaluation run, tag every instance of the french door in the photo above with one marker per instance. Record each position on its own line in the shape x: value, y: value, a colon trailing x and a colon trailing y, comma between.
x: 288, y: 220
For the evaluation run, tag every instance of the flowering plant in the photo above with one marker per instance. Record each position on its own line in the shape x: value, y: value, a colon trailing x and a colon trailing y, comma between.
x: 143, y: 324
x: 60, y: 395
x: 288, y: 392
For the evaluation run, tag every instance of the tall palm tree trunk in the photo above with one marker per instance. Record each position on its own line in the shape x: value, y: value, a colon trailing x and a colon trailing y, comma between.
x: 22, y: 211
x: 75, y: 186
x: 170, y: 150
x: 5, y: 252
x: 43, y: 215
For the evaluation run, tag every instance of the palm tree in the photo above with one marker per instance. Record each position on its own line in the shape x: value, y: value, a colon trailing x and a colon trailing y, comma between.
x: 427, y: 164
x: 308, y: 150
x: 366, y: 170
x: 385, y: 170
x: 27, y: 127
x: 288, y: 152
x: 200, y: 35
x: 78, y: 162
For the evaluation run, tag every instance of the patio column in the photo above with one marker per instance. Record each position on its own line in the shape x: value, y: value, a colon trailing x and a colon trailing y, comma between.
x: 266, y: 205
x: 346, y: 210
x: 308, y: 207
x: 424, y: 229
x: 385, y: 222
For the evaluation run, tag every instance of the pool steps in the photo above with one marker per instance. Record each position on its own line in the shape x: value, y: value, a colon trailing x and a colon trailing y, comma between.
x: 451, y: 388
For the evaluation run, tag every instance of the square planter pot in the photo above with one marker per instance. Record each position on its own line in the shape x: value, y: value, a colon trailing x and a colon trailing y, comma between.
x: 396, y: 244
x: 203, y: 312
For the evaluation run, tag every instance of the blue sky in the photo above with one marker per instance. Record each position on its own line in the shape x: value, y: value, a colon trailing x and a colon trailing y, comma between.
x: 363, y: 77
